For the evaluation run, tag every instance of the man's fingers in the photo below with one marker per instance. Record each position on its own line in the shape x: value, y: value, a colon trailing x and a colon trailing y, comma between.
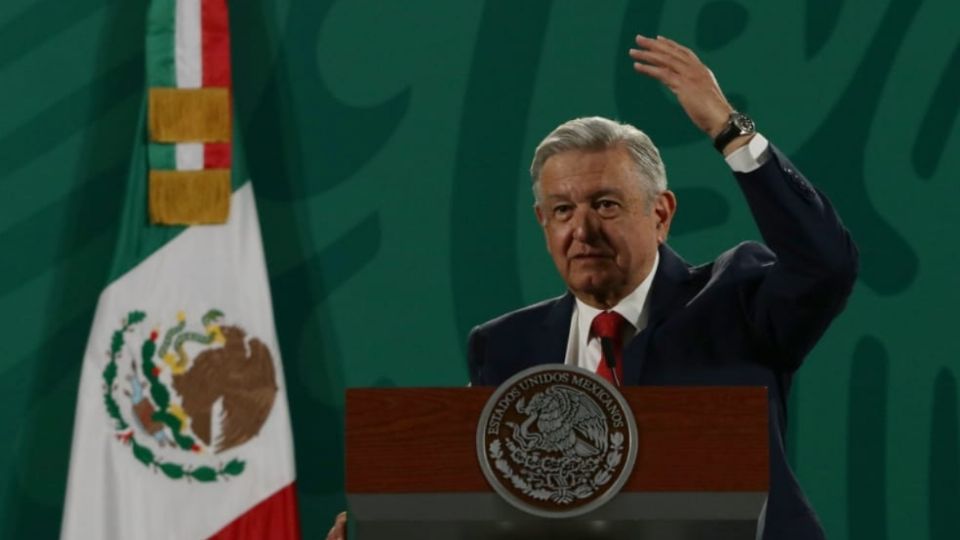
x: 664, y: 75
x: 681, y: 50
x: 339, y: 529
x: 654, y: 58
x: 662, y: 46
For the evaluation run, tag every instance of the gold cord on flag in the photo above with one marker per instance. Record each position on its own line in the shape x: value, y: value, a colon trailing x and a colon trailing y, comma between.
x: 190, y: 197
x: 189, y: 115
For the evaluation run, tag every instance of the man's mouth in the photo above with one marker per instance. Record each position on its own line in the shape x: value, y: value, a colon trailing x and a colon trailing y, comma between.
x: 598, y: 255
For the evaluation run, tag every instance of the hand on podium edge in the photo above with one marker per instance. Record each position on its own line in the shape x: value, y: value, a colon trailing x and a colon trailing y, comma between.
x: 339, y: 529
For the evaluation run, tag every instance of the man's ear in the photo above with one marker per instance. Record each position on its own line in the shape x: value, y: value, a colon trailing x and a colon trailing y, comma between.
x: 664, y: 208
x: 542, y: 220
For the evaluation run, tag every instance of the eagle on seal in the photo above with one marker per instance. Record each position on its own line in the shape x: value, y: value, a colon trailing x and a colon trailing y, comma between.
x: 561, y: 419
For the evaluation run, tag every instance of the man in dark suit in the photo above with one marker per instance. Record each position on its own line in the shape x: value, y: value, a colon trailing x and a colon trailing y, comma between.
x: 748, y: 318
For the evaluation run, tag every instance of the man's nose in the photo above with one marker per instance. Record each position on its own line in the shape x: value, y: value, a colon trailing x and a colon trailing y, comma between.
x: 585, y: 225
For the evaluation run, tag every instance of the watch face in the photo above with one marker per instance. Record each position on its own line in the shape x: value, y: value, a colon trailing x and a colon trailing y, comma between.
x: 744, y: 123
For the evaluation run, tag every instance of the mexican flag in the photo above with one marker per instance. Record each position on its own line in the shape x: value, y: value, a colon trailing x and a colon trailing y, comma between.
x: 182, y: 429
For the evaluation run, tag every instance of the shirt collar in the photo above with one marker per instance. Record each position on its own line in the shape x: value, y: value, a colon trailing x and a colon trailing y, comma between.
x: 632, y: 307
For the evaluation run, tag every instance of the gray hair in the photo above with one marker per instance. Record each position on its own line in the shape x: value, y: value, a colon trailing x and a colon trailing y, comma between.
x: 598, y: 133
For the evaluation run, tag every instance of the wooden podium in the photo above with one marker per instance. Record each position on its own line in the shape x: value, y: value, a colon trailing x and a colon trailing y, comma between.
x: 412, y: 472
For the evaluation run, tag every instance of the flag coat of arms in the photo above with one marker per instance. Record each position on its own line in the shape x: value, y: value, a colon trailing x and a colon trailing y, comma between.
x: 182, y: 428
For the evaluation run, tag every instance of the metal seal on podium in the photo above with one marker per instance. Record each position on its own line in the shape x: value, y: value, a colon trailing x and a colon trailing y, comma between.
x: 556, y: 441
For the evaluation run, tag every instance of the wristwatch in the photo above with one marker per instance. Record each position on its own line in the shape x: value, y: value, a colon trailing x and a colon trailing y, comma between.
x: 738, y: 124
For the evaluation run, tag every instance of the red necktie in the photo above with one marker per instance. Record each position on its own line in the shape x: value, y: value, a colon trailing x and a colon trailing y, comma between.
x: 608, y: 326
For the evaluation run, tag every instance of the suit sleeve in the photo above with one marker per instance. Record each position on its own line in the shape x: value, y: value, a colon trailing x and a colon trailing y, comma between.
x: 816, y: 260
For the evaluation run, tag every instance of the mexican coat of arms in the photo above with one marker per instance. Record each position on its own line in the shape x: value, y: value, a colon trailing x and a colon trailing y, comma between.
x: 556, y: 441
x: 183, y: 396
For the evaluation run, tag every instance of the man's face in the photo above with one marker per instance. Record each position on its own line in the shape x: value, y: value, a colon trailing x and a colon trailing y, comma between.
x: 601, y: 229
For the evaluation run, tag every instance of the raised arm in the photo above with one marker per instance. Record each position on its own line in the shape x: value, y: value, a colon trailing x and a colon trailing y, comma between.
x: 816, y: 260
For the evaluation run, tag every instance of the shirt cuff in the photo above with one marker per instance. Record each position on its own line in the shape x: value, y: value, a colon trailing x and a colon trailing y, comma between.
x: 750, y: 156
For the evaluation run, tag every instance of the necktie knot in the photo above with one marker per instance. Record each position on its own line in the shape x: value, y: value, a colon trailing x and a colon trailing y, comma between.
x: 608, y: 324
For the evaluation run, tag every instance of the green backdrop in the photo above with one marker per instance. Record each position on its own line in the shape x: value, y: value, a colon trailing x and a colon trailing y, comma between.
x: 388, y: 142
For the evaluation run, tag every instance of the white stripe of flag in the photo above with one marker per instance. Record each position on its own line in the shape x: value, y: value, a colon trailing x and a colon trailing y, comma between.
x: 188, y: 43
x: 190, y: 156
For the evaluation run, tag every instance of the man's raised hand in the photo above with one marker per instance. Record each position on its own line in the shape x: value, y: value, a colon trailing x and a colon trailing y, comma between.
x: 679, y: 69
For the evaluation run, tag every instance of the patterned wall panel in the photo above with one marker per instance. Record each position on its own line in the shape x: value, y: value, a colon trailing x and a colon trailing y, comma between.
x: 388, y: 143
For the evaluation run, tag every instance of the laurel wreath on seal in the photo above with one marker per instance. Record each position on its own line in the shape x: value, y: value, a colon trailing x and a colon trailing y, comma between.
x: 583, y: 476
x: 161, y: 396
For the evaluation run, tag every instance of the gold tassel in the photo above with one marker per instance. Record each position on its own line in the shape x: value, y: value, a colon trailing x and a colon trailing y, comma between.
x: 189, y: 115
x: 189, y: 197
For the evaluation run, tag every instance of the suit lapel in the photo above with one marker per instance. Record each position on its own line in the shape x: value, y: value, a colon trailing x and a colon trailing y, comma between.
x: 666, y: 294
x: 551, y: 346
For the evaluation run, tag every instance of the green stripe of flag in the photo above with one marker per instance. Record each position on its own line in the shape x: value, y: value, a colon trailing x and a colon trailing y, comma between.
x: 161, y: 32
x: 162, y: 156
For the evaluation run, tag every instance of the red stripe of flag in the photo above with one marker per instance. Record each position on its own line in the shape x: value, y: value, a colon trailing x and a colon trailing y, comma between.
x: 216, y: 155
x: 274, y: 518
x: 215, y: 32
x: 215, y: 29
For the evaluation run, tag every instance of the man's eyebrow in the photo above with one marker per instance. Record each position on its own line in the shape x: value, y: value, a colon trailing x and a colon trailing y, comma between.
x: 605, y: 192
x: 593, y: 195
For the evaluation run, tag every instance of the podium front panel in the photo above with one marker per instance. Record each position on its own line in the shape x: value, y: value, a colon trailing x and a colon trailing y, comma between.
x: 701, y: 469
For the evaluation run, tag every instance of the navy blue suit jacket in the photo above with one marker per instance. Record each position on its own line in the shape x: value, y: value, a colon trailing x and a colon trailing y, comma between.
x: 748, y: 318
